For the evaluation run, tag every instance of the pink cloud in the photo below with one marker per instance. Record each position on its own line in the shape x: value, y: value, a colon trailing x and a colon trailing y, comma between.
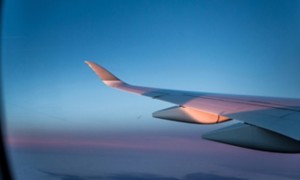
x: 156, y: 143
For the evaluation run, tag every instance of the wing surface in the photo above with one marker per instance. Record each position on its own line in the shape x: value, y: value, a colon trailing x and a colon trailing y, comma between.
x: 280, y: 115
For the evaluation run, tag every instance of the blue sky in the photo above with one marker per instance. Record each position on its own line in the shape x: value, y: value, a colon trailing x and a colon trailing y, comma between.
x: 235, y: 47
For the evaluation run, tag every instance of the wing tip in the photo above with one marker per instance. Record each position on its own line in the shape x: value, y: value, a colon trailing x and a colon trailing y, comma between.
x: 87, y: 62
x: 104, y: 74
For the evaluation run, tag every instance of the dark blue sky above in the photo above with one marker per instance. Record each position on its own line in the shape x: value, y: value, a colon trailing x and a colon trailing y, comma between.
x: 235, y: 47
x: 239, y: 47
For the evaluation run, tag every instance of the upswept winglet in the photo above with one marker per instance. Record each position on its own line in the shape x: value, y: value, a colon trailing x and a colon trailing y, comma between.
x: 104, y: 74
x: 107, y: 77
x: 111, y: 80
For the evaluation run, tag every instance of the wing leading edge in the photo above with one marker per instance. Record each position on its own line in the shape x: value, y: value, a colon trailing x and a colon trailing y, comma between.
x: 268, y: 117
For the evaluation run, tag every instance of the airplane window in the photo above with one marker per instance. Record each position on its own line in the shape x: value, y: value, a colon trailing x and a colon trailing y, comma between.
x: 231, y: 69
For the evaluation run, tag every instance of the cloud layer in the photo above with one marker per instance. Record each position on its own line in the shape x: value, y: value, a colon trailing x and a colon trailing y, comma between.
x: 138, y: 176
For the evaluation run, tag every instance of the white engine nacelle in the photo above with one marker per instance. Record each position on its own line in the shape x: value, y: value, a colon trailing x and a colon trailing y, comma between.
x: 189, y: 115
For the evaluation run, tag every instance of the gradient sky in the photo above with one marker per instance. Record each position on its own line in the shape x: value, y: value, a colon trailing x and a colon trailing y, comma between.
x: 52, y: 98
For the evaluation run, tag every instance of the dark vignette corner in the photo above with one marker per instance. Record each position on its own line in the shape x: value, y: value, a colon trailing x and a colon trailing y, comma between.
x: 5, y: 169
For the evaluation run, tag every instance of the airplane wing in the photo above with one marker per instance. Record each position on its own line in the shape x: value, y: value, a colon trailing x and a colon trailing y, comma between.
x: 267, y: 123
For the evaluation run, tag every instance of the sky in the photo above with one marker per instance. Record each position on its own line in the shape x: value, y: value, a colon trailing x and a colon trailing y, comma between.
x: 55, y: 104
